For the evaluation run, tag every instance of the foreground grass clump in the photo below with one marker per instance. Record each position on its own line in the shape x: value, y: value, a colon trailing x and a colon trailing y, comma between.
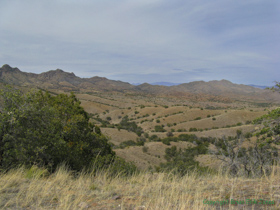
x: 36, y: 189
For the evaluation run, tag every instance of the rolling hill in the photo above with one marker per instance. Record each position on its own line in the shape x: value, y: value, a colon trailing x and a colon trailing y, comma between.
x: 222, y: 90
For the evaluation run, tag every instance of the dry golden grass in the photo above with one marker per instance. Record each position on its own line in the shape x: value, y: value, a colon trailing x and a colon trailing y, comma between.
x: 116, y: 136
x: 23, y: 189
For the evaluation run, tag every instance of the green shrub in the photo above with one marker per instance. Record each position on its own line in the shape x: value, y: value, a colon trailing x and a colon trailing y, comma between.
x: 146, y: 135
x: 183, y: 161
x: 127, y: 144
x: 130, y: 126
x: 97, y: 130
x: 169, y: 134
x: 159, y: 128
x: 44, y: 130
x: 238, y: 133
x: 248, y: 135
x: 264, y: 130
x: 166, y: 141
x: 187, y: 137
x: 145, y: 149
x: 154, y: 138
x: 192, y: 129
x: 247, y: 122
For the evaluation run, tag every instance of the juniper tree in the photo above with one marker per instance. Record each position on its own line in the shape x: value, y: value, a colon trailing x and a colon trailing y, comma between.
x: 38, y: 128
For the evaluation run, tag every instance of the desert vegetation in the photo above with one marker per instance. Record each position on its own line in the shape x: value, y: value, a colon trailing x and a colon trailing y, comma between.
x: 120, y: 151
x: 34, y: 188
x: 44, y: 130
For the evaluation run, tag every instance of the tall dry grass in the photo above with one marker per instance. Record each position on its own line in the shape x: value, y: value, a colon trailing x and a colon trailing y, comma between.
x: 36, y: 189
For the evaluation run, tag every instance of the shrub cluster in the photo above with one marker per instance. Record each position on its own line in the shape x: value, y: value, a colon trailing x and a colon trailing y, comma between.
x: 37, y: 128
x: 130, y: 126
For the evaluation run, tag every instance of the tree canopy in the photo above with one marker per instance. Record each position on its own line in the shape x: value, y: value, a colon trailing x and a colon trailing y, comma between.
x: 42, y: 129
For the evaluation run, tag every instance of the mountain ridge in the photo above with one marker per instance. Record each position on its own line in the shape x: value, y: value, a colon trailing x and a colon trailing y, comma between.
x: 200, y: 90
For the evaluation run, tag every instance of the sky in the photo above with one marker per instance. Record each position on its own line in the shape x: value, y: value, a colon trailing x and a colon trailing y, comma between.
x: 141, y: 41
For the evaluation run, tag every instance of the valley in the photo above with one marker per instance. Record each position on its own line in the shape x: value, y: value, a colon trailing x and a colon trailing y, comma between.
x: 214, y: 109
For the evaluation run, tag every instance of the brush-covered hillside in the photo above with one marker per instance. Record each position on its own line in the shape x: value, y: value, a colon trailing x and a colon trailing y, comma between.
x: 112, y: 145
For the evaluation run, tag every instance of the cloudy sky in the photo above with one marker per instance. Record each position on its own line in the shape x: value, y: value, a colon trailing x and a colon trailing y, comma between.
x: 145, y: 40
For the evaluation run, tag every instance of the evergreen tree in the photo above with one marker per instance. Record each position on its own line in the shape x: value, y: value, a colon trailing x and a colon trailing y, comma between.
x: 38, y: 128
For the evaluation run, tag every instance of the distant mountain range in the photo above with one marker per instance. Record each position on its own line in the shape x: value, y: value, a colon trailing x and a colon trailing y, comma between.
x: 159, y: 83
x: 222, y: 90
x: 174, y: 84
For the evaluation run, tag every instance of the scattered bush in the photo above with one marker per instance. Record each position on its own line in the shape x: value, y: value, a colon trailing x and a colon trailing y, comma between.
x: 154, y: 138
x: 248, y: 135
x: 166, y: 141
x: 145, y: 149
x: 159, y: 128
x: 127, y: 144
x: 130, y: 126
x: 193, y: 129
x: 169, y: 134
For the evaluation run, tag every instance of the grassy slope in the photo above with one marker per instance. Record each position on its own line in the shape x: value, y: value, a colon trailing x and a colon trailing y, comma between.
x: 21, y: 189
x: 174, y: 116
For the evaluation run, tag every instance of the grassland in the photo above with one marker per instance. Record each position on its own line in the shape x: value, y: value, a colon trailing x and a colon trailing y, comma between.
x: 203, y: 118
x: 35, y: 189
x: 161, y: 116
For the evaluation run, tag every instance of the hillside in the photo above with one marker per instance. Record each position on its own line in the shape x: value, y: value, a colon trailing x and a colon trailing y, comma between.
x: 160, y: 130
x: 207, y: 109
x: 58, y: 79
x: 223, y: 91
